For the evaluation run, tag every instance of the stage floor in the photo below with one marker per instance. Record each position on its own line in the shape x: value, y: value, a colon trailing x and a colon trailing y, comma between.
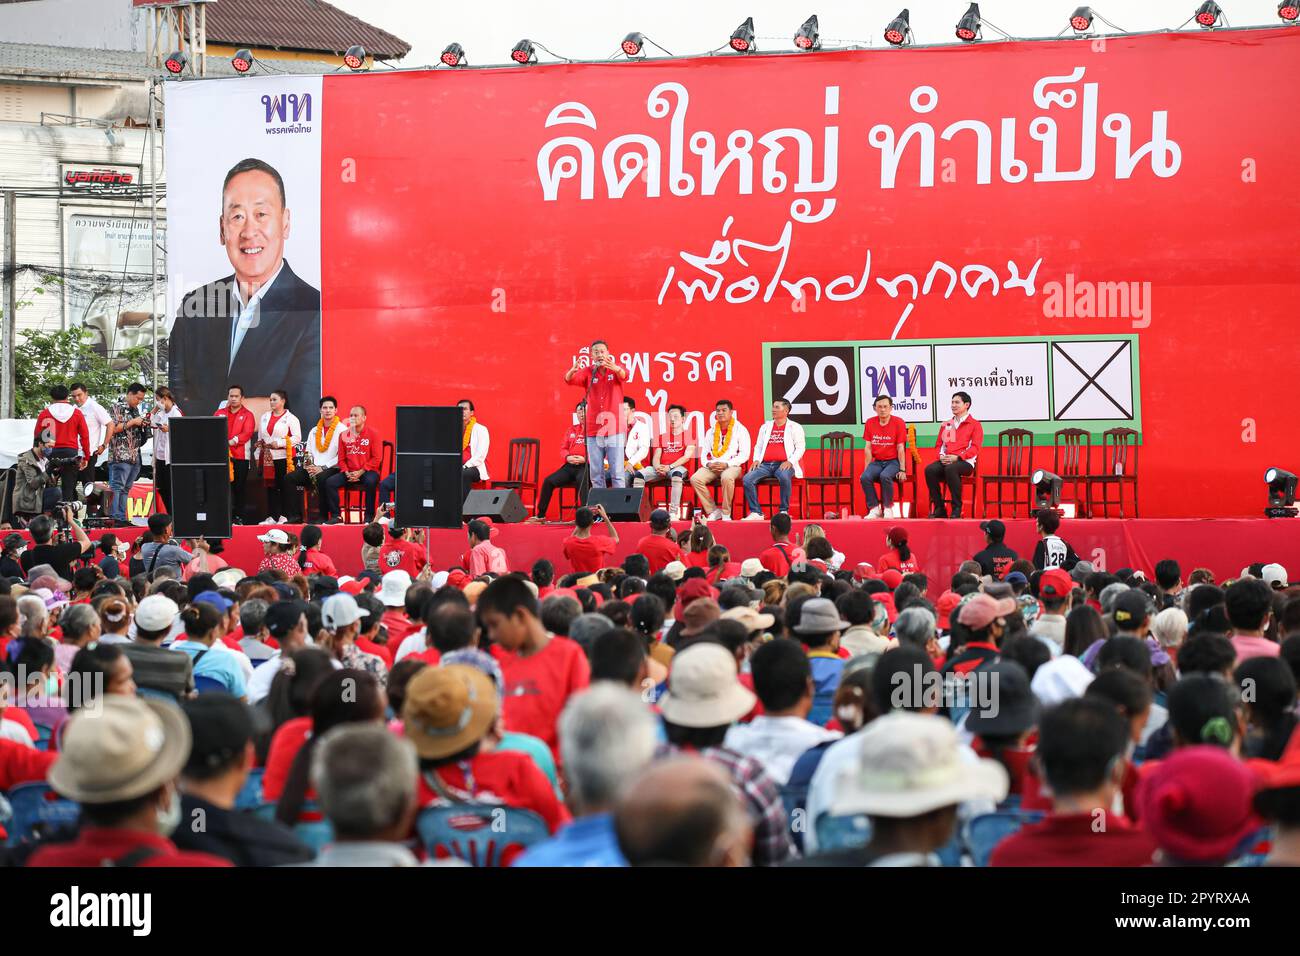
x: 1224, y: 545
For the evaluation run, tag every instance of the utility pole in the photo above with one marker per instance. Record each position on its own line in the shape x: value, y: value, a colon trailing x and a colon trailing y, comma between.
x: 8, y: 383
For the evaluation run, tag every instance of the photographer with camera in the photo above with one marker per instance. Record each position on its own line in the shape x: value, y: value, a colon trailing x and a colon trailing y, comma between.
x: 58, y: 555
x: 36, y: 488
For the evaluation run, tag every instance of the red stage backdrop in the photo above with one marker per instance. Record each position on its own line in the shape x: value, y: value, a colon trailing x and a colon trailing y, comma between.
x: 1091, y: 233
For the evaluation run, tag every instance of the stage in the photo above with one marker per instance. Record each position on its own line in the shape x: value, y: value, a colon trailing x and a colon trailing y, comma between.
x: 1224, y: 545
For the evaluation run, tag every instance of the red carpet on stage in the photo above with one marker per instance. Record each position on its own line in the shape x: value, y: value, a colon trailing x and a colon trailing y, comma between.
x: 1224, y: 545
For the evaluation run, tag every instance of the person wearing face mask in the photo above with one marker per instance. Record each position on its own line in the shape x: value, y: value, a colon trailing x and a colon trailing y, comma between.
x: 278, y: 432
x: 12, y: 549
x: 120, y: 762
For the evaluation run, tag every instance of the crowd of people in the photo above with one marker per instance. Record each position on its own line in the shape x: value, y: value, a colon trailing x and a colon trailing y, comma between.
x: 680, y: 708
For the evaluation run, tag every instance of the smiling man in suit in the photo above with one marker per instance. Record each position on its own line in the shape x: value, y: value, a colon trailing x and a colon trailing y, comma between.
x: 260, y: 326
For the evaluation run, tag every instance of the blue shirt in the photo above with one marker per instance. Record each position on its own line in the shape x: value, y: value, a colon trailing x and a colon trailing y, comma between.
x: 218, y: 663
x: 587, y: 841
x: 826, y: 670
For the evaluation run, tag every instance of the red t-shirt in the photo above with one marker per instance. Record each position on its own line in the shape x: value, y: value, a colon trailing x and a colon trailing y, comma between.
x: 287, y: 740
x: 379, y: 650
x: 672, y: 447
x: 18, y: 716
x: 316, y: 561
x: 890, y: 561
x: 883, y: 440
x: 538, y: 686
x: 94, y: 845
x: 1076, y: 840
x: 399, y: 626
x: 364, y: 450
x: 587, y: 554
x: 406, y: 555
x: 605, y: 409
x: 779, y: 557
x: 696, y: 559
x: 22, y: 764
x: 775, y: 450
x: 501, y: 776
x: 660, y: 551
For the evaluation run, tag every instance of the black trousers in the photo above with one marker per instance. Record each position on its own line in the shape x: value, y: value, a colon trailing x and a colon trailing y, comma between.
x: 63, y: 462
x: 237, y: 488
x: 937, y: 473
x: 281, y: 498
x: 467, y: 478
x: 162, y: 483
x: 568, y: 476
x: 302, y: 479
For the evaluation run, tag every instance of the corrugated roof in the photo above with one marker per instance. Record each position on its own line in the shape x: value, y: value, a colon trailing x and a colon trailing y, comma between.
x: 311, y: 25
x: 56, y: 62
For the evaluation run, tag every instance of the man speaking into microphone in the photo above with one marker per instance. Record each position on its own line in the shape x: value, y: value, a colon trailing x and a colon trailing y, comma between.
x: 606, y: 426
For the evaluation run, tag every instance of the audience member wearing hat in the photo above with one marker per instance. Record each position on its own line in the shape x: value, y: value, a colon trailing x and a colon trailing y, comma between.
x: 1274, y: 576
x: 675, y: 570
x: 750, y: 568
x: 278, y: 553
x: 704, y: 698
x: 819, y: 628
x: 944, y: 607
x: 1060, y: 679
x: 1197, y: 806
x: 120, y: 762
x: 447, y: 713
x: 899, y: 557
x: 1004, y: 713
x: 221, y: 756
x: 984, y: 619
x: 909, y: 777
x: 698, y: 615
x: 1054, y: 590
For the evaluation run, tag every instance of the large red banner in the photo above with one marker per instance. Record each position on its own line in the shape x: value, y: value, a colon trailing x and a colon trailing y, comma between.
x: 479, y: 227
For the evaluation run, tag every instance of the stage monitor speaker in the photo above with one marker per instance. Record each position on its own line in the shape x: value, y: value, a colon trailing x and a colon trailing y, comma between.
x: 623, y: 504
x: 429, y: 429
x: 200, y: 500
x: 200, y: 440
x: 502, y: 506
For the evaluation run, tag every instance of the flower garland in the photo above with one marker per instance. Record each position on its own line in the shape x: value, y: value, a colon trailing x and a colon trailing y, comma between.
x: 324, y: 438
x: 721, y: 440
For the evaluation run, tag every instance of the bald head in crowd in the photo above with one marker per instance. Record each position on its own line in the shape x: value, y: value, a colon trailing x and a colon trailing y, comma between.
x: 683, y: 812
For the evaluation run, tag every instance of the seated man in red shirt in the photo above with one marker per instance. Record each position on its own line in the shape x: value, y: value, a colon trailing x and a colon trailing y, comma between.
x: 658, y: 546
x: 361, y: 455
x: 447, y: 713
x: 959, y: 444
x: 1081, y: 748
x: 573, y: 473
x: 121, y: 761
x: 674, y: 453
x: 541, y: 672
x: 886, y: 440
x: 586, y: 551
x: 782, y: 554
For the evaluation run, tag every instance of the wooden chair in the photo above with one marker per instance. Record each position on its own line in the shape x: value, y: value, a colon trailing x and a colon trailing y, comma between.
x: 352, y: 503
x: 661, y: 488
x: 1119, y: 467
x: 969, y: 485
x: 1072, y: 462
x: 1015, y: 464
x: 913, y: 456
x: 838, y: 472
x: 523, y: 470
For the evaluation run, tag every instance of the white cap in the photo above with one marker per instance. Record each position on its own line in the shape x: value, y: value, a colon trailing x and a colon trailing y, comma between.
x: 675, y: 570
x: 393, y: 588
x: 1274, y: 575
x: 340, y: 610
x: 751, y: 567
x: 1060, y: 679
x: 157, y: 612
x: 274, y: 536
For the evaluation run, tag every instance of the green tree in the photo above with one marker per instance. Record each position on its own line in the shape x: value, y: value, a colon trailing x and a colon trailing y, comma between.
x: 44, y: 359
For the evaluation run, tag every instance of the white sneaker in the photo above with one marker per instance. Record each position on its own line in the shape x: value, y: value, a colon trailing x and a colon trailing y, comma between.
x: 755, y: 516
x: 267, y: 521
x: 874, y: 512
x: 896, y: 511
x: 717, y: 515
x: 283, y: 520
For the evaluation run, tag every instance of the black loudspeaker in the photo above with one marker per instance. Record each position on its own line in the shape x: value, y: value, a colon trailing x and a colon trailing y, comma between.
x: 200, y: 473
x: 428, y: 493
x: 502, y: 506
x: 623, y: 504
x: 198, y: 441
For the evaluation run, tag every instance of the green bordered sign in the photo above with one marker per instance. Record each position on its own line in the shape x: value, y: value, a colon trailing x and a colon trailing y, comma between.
x: 1040, y: 383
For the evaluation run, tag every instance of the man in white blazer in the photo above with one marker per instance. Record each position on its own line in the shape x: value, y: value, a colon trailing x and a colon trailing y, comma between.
x: 636, y: 450
x: 722, y: 455
x: 474, y: 449
x: 777, y: 452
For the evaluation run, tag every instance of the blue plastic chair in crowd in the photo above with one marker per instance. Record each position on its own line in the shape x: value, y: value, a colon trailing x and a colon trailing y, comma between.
x: 479, y: 834
x: 250, y: 795
x: 986, y: 831
x: 43, y: 735
x: 842, y: 833
x: 152, y: 693
x: 35, y: 806
x: 205, y: 685
x: 317, y: 834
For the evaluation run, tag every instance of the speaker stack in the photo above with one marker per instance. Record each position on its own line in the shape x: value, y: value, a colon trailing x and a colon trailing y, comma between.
x: 200, y: 471
x: 428, y: 466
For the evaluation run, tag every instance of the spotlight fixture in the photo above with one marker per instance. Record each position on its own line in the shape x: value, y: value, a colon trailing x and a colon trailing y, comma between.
x: 968, y: 27
x: 176, y: 63
x: 1081, y: 19
x: 742, y: 38
x: 899, y: 30
x: 454, y: 55
x: 242, y: 61
x: 524, y: 52
x: 1289, y: 10
x: 632, y: 44
x: 1047, y: 488
x: 355, y: 58
x: 1209, y: 15
x: 808, y: 38
x: 1281, y: 493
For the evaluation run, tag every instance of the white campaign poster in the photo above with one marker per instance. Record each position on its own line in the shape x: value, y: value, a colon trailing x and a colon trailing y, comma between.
x: 114, y: 245
x: 1007, y: 381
